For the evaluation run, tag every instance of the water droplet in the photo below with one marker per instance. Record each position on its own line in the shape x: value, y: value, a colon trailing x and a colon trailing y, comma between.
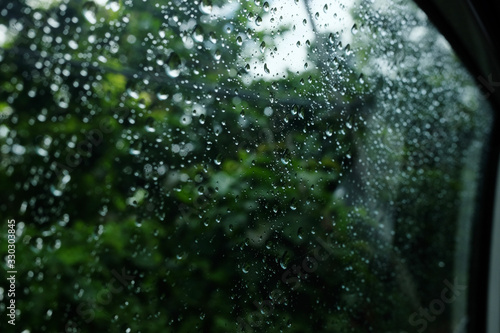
x: 132, y: 93
x: 202, y: 119
x: 162, y: 96
x: 198, y: 33
x: 325, y: 8
x: 217, y: 55
x: 212, y: 37
x: 258, y: 20
x: 299, y: 233
x: 262, y: 47
x: 331, y: 38
x: 354, y: 29
x: 239, y: 40
x: 63, y: 100
x: 103, y: 211
x: 201, y: 190
x: 90, y: 12
x: 266, y: 69
x: 114, y: 5
x: 55, y: 191
x: 53, y: 22
x: 173, y: 65
x: 42, y: 152
x: 348, y: 49
x: 142, y: 103
x: 135, y: 149
x: 218, y: 160
x: 316, y: 16
x: 266, y: 6
x: 150, y: 125
x: 206, y: 6
x: 245, y: 268
x: 284, y: 260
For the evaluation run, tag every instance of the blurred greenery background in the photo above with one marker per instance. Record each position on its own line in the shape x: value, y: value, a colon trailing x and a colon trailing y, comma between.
x: 166, y: 176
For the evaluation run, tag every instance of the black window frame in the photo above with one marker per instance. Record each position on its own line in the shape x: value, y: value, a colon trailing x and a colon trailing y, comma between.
x: 471, y: 27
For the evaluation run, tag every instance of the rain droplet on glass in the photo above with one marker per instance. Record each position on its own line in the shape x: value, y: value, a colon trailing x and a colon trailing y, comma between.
x: 90, y: 12
x: 173, y: 65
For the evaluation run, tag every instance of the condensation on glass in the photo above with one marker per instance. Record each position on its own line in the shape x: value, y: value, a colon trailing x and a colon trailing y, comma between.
x: 222, y: 166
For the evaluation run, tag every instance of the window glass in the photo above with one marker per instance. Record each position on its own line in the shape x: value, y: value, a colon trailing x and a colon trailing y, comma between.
x: 222, y: 166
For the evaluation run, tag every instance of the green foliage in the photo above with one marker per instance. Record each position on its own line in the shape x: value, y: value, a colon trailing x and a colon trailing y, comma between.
x: 151, y: 149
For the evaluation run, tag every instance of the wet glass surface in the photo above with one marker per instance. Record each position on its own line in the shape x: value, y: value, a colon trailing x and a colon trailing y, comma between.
x: 236, y: 166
